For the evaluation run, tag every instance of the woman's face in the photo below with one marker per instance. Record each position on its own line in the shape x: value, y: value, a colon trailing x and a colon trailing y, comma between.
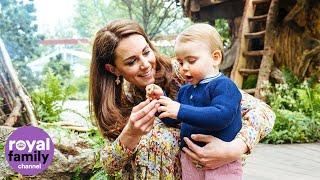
x: 135, y: 61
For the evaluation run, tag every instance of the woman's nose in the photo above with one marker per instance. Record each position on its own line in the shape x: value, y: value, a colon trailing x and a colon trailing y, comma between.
x: 145, y: 63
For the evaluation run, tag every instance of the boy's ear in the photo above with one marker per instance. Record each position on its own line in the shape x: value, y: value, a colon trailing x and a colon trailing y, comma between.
x: 217, y: 57
x: 110, y: 68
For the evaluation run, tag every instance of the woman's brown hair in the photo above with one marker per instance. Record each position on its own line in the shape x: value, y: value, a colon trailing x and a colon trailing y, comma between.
x: 108, y: 104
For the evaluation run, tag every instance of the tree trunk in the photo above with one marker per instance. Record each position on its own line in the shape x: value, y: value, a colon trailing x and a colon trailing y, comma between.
x: 297, y: 38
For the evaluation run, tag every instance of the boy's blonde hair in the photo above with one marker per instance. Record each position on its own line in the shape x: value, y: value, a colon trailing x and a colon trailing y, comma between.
x: 204, y: 33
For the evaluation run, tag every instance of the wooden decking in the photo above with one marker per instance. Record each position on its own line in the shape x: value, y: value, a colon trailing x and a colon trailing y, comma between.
x: 284, y: 162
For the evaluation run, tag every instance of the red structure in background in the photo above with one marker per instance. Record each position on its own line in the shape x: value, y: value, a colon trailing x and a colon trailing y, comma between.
x: 64, y: 41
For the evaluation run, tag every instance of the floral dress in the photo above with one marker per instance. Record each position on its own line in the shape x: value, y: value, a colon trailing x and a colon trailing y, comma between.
x: 157, y: 154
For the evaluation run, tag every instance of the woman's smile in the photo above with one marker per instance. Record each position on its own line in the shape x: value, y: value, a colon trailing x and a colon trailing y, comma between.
x: 147, y: 74
x: 148, y: 77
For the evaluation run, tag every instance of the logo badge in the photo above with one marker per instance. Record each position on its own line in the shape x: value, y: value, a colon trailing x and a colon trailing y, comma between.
x: 29, y: 150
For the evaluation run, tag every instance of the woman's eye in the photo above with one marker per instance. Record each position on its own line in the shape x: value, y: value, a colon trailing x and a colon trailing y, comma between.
x: 146, y: 52
x: 131, y: 62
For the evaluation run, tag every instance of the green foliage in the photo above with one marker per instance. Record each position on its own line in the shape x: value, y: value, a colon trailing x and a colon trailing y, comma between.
x: 91, y: 16
x: 293, y: 127
x: 290, y: 78
x: 1, y: 147
x: 77, y: 174
x: 250, y: 82
x: 82, y: 84
x: 97, y: 141
x: 49, y: 99
x: 301, y: 98
x: 223, y: 28
x: 17, y: 28
x: 29, y: 80
x: 18, y: 31
x: 155, y: 17
x: 59, y: 67
x: 297, y: 106
x: 2, y: 157
x: 100, y: 175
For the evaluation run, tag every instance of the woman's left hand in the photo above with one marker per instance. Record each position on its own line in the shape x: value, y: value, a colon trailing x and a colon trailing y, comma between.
x: 215, y: 153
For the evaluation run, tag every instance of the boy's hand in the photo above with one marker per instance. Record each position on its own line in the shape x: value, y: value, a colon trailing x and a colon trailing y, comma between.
x: 153, y: 92
x: 169, y: 108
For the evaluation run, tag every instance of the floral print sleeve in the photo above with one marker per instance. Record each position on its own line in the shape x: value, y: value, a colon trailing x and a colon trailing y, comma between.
x: 114, y: 156
x: 257, y: 120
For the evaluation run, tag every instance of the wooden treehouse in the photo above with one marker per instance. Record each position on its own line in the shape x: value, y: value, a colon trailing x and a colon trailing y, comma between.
x: 266, y: 35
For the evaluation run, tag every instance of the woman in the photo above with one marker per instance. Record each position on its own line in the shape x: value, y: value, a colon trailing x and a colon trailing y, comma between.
x: 123, y: 63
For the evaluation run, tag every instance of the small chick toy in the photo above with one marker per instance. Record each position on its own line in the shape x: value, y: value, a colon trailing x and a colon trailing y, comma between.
x: 153, y: 92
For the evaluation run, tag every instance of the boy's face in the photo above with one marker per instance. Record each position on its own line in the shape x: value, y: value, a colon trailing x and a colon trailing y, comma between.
x: 196, y: 61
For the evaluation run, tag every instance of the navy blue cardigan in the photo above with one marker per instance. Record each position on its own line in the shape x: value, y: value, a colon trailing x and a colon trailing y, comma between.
x: 211, y: 107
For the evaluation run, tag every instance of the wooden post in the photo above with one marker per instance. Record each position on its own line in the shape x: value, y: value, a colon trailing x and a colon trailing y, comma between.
x: 16, y: 83
x: 264, y: 74
x: 12, y: 119
x: 267, y: 60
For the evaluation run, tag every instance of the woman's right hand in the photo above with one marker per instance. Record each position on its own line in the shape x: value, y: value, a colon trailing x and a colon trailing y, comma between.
x: 140, y: 123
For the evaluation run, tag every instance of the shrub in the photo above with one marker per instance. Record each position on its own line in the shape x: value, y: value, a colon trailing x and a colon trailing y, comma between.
x: 48, y: 100
x: 297, y: 106
x: 82, y: 85
x: 250, y: 82
x: 293, y: 127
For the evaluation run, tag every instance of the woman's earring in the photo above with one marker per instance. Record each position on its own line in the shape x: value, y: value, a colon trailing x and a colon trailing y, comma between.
x: 117, y: 80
